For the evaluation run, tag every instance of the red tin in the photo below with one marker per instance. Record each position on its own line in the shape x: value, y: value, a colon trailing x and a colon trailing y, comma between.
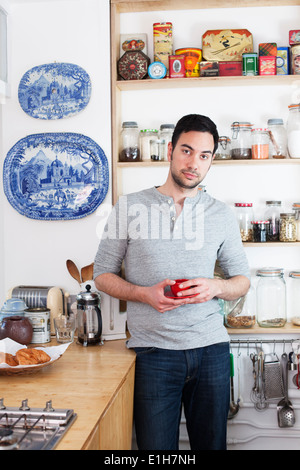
x: 267, y: 65
x: 176, y: 66
x: 230, y: 68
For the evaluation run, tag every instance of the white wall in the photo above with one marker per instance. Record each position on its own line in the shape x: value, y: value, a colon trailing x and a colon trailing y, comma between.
x: 75, y: 31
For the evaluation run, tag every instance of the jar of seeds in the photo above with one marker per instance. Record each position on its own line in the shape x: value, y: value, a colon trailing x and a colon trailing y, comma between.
x: 244, y: 215
x: 287, y: 231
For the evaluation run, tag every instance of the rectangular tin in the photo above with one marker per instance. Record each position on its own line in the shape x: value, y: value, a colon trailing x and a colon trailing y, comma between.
x: 209, y: 68
x: 250, y: 64
x: 230, y: 68
x: 283, y: 61
x: 176, y: 66
x: 294, y: 37
x: 267, y: 65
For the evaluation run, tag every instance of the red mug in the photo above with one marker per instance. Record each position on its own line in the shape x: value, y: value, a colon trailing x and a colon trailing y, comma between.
x: 175, y: 287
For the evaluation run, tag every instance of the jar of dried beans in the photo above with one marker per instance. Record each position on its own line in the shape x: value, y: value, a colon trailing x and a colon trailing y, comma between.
x: 244, y: 215
x: 287, y: 227
x: 260, y: 144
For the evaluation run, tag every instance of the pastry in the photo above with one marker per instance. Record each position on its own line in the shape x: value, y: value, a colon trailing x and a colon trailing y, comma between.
x: 8, y: 359
x: 31, y: 356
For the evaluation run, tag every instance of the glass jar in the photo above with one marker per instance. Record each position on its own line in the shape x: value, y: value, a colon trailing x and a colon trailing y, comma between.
x: 146, y: 135
x: 155, y: 149
x: 295, y: 297
x: 241, y: 140
x: 271, y: 298
x: 293, y: 131
x: 240, y: 313
x: 260, y: 230
x: 129, y: 142
x: 272, y: 214
x: 260, y: 144
x: 244, y: 215
x: 287, y: 231
x: 165, y: 135
x: 224, y: 149
x: 278, y: 139
x: 296, y: 208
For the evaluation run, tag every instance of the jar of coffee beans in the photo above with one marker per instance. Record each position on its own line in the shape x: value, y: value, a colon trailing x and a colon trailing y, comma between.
x: 241, y: 143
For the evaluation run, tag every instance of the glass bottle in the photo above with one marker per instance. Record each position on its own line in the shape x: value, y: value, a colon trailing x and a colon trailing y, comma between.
x: 240, y: 313
x: 165, y: 136
x: 244, y: 215
x: 241, y: 140
x: 272, y: 214
x: 271, y: 298
x: 296, y: 208
x: 129, y: 142
x: 287, y: 231
x: 278, y: 139
x: 260, y: 144
x: 293, y: 131
x: 224, y: 149
x: 146, y: 135
x: 295, y: 297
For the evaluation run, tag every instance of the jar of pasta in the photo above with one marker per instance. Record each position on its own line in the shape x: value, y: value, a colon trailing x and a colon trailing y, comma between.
x: 244, y: 215
x: 287, y: 232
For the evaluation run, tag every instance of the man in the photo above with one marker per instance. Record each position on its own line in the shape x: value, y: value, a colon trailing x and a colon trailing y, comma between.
x: 176, y: 231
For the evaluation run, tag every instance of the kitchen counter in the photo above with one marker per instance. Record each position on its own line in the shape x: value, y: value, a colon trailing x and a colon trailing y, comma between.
x: 96, y: 381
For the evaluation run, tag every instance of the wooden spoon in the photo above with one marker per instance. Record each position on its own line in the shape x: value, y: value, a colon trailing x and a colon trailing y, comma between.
x: 87, y: 272
x: 73, y: 270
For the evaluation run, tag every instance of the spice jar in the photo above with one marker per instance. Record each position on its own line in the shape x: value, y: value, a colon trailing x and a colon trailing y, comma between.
x: 278, y: 139
x: 146, y: 135
x: 260, y: 144
x: 296, y: 208
x: 155, y: 149
x: 241, y: 140
x: 244, y: 215
x: 271, y: 298
x: 165, y: 135
x: 295, y: 297
x: 260, y: 230
x: 287, y: 231
x: 224, y: 149
x: 129, y: 142
x: 272, y: 214
x: 240, y: 313
x: 293, y: 131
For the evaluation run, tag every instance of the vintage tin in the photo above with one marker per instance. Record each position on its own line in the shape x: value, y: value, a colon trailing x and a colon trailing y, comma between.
x: 226, y: 44
x: 40, y: 320
x: 295, y: 60
x: 230, y: 68
x: 176, y: 66
x: 163, y: 42
x: 283, y: 61
x: 157, y: 70
x: 192, y: 59
x: 209, y: 68
x: 267, y: 65
x: 267, y: 48
x: 294, y: 37
x: 250, y: 64
x: 133, y: 65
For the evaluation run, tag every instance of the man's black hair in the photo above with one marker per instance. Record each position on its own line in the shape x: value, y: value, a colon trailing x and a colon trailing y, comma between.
x: 195, y: 122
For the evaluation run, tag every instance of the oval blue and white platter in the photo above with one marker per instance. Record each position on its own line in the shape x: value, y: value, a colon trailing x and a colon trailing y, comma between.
x: 54, y: 91
x: 55, y: 176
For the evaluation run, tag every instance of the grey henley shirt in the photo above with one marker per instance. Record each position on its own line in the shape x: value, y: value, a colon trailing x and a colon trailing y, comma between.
x: 155, y: 244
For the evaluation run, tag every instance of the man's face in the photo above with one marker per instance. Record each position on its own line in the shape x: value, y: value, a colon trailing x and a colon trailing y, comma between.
x: 191, y: 158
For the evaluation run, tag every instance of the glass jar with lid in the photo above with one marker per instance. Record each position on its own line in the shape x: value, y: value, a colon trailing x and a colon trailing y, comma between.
x: 241, y: 141
x: 272, y: 214
x: 260, y: 230
x: 296, y: 209
x: 146, y: 136
x: 240, y: 313
x: 293, y: 131
x: 278, y: 138
x: 244, y: 215
x: 294, y: 306
x: 287, y: 231
x: 224, y: 148
x: 165, y: 136
x: 260, y: 144
x: 129, y: 142
x: 271, y: 298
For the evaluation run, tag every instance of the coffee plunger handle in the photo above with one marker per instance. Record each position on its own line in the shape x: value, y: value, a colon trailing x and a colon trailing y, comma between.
x: 88, y: 287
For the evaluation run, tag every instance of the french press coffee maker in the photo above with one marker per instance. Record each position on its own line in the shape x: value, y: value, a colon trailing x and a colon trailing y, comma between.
x: 89, y: 319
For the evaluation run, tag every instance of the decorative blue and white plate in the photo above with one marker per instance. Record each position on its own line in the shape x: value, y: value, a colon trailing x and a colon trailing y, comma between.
x: 54, y: 91
x: 55, y: 176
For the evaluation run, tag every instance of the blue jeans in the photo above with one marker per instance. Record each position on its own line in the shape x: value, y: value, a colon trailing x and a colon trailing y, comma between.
x: 197, y: 378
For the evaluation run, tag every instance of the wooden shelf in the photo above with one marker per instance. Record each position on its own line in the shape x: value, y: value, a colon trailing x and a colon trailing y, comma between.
x: 167, y: 83
x: 270, y: 161
x: 288, y: 328
x: 270, y: 244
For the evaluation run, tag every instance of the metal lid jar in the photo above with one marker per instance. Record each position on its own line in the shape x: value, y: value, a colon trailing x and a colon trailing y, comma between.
x: 146, y: 136
x: 287, y: 231
x: 272, y: 214
x: 260, y: 230
x: 294, y: 299
x: 244, y: 215
x: 278, y: 139
x: 271, y: 298
x: 293, y: 131
x: 296, y: 209
x: 165, y: 136
x: 129, y: 142
x: 224, y: 148
x: 241, y: 140
x: 260, y: 143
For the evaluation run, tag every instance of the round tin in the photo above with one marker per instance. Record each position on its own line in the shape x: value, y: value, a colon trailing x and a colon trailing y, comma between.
x: 40, y: 320
x: 192, y: 60
x: 157, y: 70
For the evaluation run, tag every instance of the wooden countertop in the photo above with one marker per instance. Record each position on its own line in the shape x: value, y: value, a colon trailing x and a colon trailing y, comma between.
x: 85, y: 379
